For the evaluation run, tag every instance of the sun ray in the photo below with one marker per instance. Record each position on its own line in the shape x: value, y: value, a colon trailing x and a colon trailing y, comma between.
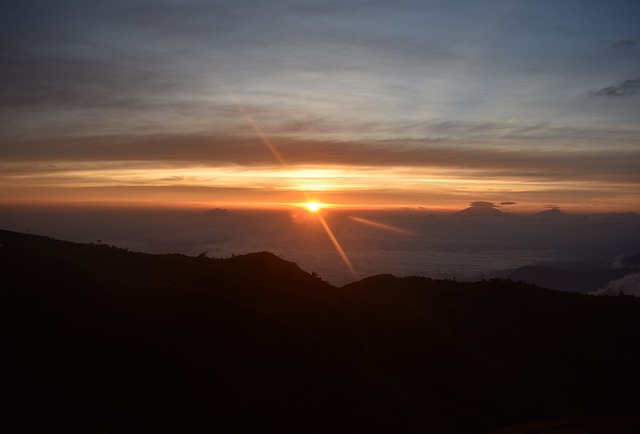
x: 383, y: 226
x: 337, y: 245
x: 253, y: 123
x: 312, y: 206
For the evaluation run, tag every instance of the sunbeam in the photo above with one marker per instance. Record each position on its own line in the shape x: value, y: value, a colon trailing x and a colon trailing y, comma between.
x: 310, y: 205
x: 253, y: 123
x: 383, y: 226
x: 337, y: 245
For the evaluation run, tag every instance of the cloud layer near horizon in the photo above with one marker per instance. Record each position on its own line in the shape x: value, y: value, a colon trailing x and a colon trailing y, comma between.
x: 617, y: 165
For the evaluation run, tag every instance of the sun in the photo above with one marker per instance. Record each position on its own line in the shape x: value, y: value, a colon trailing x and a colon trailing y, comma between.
x: 313, y: 206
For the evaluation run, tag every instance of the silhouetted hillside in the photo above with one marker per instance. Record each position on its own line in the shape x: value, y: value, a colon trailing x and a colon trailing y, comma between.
x: 100, y: 339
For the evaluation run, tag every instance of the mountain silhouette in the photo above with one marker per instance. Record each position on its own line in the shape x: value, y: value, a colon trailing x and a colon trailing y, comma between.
x: 584, y: 281
x: 552, y: 213
x: 100, y: 339
x: 481, y: 209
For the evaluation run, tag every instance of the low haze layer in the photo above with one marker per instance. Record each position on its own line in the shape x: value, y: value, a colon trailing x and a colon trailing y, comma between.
x: 473, y: 243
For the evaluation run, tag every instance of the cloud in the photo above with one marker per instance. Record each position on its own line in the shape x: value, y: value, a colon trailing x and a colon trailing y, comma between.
x: 188, y: 150
x: 624, y: 89
x: 508, y: 203
x: 616, y: 263
x: 482, y: 204
x: 623, y: 43
x: 628, y: 285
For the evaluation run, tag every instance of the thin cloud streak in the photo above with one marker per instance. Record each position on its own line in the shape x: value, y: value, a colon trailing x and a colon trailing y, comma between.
x: 622, y: 90
x: 227, y: 153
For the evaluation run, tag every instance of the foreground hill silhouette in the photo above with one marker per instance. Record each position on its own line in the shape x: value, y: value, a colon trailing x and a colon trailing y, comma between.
x: 100, y: 339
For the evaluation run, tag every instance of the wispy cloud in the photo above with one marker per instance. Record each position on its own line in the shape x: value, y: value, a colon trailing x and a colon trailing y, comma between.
x: 628, y: 285
x: 482, y: 204
x: 623, y: 43
x: 608, y: 164
x: 624, y: 89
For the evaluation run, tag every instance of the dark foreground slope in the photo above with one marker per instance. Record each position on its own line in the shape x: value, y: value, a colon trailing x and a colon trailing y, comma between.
x: 98, y: 339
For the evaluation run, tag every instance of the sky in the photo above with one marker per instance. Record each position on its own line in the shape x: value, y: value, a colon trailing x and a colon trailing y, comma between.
x: 404, y: 103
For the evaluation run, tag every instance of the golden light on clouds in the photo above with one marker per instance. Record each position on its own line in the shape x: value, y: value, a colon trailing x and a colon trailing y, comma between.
x: 269, y: 185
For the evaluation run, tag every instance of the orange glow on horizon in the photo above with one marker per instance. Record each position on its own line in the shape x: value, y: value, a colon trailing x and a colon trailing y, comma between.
x: 299, y: 179
x: 277, y: 186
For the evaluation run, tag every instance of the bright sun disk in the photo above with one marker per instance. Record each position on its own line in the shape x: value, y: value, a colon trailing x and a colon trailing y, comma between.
x: 313, y: 206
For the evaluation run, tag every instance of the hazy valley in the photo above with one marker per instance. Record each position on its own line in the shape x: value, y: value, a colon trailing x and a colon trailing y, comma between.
x: 480, y: 241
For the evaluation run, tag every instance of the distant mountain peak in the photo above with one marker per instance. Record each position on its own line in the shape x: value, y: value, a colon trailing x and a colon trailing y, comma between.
x: 551, y: 213
x: 481, y: 209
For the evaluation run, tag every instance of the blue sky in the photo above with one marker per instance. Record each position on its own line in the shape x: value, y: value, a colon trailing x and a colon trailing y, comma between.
x: 514, y: 99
